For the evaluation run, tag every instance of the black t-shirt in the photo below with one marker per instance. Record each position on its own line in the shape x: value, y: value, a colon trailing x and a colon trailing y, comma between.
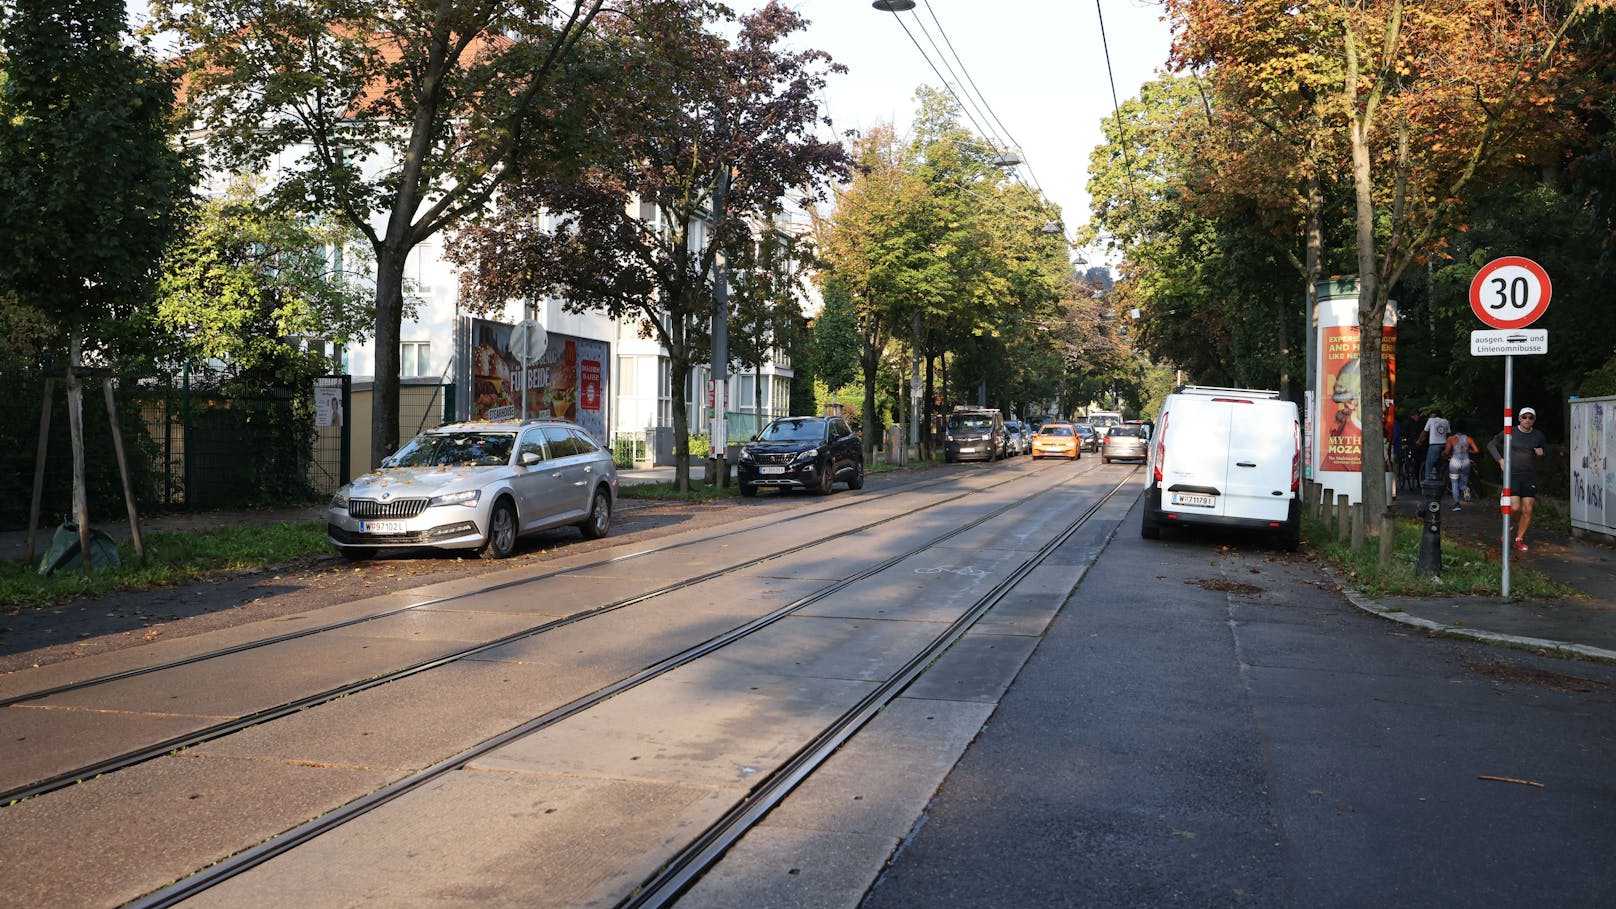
x: 1522, y: 457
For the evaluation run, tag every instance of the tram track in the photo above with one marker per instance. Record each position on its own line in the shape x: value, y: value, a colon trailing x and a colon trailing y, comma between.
x: 215, y: 731
x: 676, y: 873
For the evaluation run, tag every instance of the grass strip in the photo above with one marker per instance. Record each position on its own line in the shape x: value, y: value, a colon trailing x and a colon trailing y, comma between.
x: 1466, y: 570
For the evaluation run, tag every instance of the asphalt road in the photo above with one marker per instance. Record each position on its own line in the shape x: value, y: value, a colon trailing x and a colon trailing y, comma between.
x: 1212, y: 726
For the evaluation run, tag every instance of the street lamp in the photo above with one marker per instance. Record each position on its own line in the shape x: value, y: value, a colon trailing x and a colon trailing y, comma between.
x: 894, y: 6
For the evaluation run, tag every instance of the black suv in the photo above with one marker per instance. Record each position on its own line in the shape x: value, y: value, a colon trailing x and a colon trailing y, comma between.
x: 802, y: 453
x: 975, y: 434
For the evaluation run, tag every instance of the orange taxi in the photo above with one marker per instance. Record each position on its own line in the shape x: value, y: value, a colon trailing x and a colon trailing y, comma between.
x: 1057, y: 440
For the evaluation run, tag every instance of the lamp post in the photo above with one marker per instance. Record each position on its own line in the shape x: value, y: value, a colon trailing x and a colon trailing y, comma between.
x: 894, y: 6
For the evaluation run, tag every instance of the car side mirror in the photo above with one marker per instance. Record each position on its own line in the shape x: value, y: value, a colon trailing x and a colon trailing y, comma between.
x: 388, y: 461
x: 529, y: 458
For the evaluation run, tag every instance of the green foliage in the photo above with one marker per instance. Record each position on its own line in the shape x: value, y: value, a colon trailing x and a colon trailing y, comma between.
x: 247, y: 282
x: 835, y: 338
x: 1466, y: 571
x: 172, y: 558
x: 89, y: 179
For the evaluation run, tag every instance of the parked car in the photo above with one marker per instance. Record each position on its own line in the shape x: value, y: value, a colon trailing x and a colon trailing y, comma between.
x: 1124, y: 443
x: 802, y: 453
x: 480, y: 486
x: 1226, y: 457
x: 974, y: 434
x: 1056, y: 440
x: 1020, y: 437
x: 1087, y: 436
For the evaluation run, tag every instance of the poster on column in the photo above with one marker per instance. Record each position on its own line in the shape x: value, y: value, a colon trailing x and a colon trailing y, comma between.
x: 1339, y: 418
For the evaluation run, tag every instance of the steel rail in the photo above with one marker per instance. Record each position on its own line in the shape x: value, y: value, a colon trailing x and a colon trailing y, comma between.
x: 345, y: 623
x: 244, y: 861
x: 682, y: 870
x: 219, y: 730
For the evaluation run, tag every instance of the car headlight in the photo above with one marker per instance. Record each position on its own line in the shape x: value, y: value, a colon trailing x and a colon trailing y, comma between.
x: 339, y: 501
x: 463, y: 497
x: 803, y: 456
x: 746, y: 454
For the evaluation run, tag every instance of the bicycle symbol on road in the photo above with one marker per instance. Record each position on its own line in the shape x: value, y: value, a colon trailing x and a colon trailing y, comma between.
x: 966, y: 571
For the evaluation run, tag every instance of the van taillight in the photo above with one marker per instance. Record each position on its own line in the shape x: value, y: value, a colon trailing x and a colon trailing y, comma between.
x: 1296, y: 456
x: 1161, y: 446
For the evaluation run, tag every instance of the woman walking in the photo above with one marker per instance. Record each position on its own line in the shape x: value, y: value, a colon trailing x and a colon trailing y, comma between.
x: 1459, y: 449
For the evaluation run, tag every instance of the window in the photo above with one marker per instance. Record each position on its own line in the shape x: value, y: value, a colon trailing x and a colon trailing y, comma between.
x: 582, y: 442
x: 664, y: 392
x: 533, y: 441
x: 625, y: 377
x: 415, y: 359
x: 561, y: 442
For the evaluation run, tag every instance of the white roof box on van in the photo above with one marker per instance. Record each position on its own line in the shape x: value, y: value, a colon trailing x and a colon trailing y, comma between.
x: 1215, y: 391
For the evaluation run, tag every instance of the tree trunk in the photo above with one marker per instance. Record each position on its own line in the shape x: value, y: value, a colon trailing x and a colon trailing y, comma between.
x: 869, y: 361
x: 384, y: 438
x: 1371, y: 312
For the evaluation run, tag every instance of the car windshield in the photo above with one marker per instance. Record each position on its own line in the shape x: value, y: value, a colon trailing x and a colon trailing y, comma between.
x: 1084, y: 430
x: 793, y: 431
x: 1126, y: 431
x: 970, y: 421
x: 1055, y: 431
x: 457, y: 449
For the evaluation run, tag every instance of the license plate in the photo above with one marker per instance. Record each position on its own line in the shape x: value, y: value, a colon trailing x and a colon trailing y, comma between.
x: 381, y: 527
x: 771, y: 470
x: 967, y: 450
x: 1187, y: 498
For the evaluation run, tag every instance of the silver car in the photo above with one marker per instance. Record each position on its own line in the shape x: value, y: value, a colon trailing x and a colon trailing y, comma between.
x: 1125, y: 442
x: 477, y: 486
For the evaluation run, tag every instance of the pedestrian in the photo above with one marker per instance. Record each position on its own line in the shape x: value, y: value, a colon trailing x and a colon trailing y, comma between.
x: 1525, y: 447
x: 1435, y: 437
x: 1459, y: 449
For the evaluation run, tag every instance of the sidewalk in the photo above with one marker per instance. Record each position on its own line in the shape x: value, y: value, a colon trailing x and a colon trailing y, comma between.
x: 1585, y: 626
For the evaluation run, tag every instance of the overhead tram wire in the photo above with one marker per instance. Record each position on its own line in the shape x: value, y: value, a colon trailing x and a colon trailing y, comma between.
x: 1122, y: 130
x: 992, y: 134
x: 947, y: 86
x: 1011, y: 140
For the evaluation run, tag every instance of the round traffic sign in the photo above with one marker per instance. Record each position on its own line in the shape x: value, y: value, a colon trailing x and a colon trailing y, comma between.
x: 529, y: 341
x: 1510, y: 292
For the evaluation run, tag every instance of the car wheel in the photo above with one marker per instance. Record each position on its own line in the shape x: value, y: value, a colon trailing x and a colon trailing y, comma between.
x: 1148, y: 526
x: 501, y: 542
x: 599, y: 522
x: 857, y: 482
x: 748, y: 490
x: 358, y: 553
x: 827, y: 479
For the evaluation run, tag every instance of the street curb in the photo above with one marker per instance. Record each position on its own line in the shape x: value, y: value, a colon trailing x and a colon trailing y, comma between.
x: 1487, y: 637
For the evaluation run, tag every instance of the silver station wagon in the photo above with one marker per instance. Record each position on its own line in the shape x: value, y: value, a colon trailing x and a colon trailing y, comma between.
x: 477, y: 486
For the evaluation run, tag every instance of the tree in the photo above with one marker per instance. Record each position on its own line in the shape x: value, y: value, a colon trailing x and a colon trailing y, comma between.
x: 1432, y: 100
x: 246, y: 282
x: 90, y: 181
x: 402, y: 118
x: 639, y: 233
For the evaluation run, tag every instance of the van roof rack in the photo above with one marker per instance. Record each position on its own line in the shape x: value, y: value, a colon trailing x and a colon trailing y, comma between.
x: 1215, y: 390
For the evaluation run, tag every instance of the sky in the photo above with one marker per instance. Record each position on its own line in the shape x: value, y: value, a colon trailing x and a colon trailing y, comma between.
x: 1040, y: 66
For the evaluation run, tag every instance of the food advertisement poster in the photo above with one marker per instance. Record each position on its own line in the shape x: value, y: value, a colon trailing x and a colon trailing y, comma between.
x: 567, y: 381
x: 1593, y: 476
x: 1337, y: 454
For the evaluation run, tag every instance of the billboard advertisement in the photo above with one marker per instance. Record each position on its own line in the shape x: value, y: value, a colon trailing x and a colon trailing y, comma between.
x: 568, y: 381
x: 1593, y: 476
x: 1337, y: 453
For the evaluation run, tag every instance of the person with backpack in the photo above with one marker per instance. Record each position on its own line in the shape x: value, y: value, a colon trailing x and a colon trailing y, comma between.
x: 1459, y: 449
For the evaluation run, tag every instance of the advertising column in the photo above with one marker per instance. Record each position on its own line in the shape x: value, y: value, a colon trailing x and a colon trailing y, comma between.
x: 1337, y: 451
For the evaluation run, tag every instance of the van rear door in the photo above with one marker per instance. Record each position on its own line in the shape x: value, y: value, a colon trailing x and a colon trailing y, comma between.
x: 1194, y: 470
x: 1261, y: 451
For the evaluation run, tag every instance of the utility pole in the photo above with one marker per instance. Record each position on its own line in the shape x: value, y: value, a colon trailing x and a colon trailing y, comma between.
x: 717, y: 433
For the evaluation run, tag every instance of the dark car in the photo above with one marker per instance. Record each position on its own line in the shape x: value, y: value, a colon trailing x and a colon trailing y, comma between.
x: 1125, y: 442
x: 975, y: 434
x: 802, y: 453
x: 1090, y: 438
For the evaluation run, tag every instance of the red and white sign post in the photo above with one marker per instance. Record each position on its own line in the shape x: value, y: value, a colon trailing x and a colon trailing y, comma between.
x: 1509, y: 293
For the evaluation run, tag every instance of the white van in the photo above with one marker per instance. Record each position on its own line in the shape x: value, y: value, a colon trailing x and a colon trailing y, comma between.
x: 1226, y: 457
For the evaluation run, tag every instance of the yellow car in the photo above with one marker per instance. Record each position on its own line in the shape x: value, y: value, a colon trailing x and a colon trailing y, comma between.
x: 1057, y: 440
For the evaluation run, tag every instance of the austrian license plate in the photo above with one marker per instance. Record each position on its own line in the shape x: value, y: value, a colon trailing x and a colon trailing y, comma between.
x: 381, y: 527
x: 1190, y: 498
x: 771, y: 470
x: 967, y: 450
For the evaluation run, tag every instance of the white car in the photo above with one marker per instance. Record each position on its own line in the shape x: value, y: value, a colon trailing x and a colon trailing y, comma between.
x: 477, y: 486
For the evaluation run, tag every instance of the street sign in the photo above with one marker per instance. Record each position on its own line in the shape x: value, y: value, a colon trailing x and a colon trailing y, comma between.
x: 529, y: 341
x: 1510, y: 292
x: 1505, y: 342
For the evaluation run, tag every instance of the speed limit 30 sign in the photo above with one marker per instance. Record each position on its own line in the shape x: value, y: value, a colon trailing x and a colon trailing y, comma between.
x: 1510, y: 292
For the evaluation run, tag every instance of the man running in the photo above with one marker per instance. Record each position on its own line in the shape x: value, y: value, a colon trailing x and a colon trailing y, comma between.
x: 1525, y: 447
